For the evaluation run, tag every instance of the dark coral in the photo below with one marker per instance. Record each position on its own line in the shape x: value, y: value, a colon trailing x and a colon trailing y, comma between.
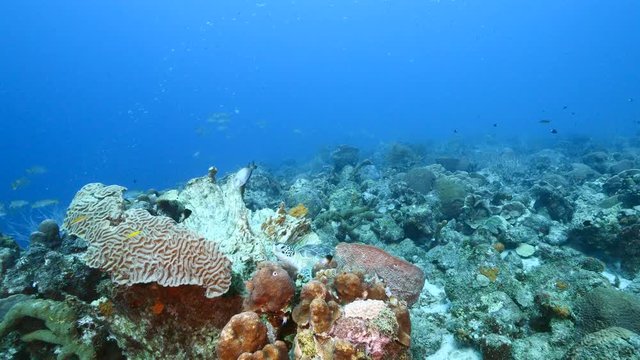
x: 555, y: 203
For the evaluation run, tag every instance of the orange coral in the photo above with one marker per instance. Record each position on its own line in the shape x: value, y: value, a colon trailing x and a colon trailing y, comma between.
x: 490, y: 272
x: 313, y: 289
x: 300, y: 313
x: 562, y: 285
x: 244, y: 333
x: 349, y: 287
x: 299, y: 211
x: 377, y: 291
x: 157, y: 307
x: 343, y: 350
x: 404, y: 324
x: 106, y: 308
x: 270, y: 290
x: 320, y: 315
x: 323, y: 314
x: 561, y: 311
x: 275, y: 351
x: 498, y: 246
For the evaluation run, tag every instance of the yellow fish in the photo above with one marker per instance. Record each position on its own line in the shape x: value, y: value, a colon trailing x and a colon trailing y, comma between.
x: 79, y: 219
x: 134, y: 234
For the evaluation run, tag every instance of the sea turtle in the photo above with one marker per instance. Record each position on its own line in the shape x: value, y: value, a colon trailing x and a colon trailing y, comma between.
x: 301, y: 258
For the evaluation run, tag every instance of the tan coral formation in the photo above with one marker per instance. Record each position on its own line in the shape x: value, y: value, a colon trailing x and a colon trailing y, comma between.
x: 360, y: 328
x: 244, y: 333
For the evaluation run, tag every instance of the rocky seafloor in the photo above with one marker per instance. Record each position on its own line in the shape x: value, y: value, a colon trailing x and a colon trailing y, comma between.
x: 423, y: 252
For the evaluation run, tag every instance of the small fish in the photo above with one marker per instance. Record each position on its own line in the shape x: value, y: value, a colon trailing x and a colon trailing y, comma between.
x: 455, y: 131
x: 554, y: 131
x: 219, y: 118
x: 36, y: 170
x: 44, y: 203
x: 564, y: 107
x: 80, y: 218
x: 134, y: 234
x: 243, y: 176
x: 17, y: 204
x: 495, y: 125
x: 544, y: 121
x: 20, y: 183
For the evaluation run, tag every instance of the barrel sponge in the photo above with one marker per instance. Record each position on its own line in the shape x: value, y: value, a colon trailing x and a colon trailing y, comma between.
x: 244, y: 333
x: 403, y: 279
x: 270, y: 289
x: 137, y: 247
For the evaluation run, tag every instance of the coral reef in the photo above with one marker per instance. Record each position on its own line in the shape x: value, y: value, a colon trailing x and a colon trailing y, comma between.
x: 456, y: 252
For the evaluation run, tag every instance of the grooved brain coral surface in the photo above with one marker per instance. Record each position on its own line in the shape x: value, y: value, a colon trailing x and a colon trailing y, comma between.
x: 137, y: 247
x: 402, y: 278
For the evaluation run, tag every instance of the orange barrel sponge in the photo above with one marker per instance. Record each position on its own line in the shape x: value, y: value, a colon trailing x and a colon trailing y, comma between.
x: 244, y: 333
x: 270, y: 290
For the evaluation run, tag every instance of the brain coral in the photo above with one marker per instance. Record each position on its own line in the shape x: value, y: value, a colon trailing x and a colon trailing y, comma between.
x: 137, y: 247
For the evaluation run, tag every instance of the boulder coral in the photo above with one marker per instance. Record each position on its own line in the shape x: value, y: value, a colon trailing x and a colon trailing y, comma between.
x: 275, y: 351
x: 244, y: 333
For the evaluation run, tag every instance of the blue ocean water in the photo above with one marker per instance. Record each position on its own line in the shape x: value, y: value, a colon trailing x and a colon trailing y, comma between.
x: 148, y: 94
